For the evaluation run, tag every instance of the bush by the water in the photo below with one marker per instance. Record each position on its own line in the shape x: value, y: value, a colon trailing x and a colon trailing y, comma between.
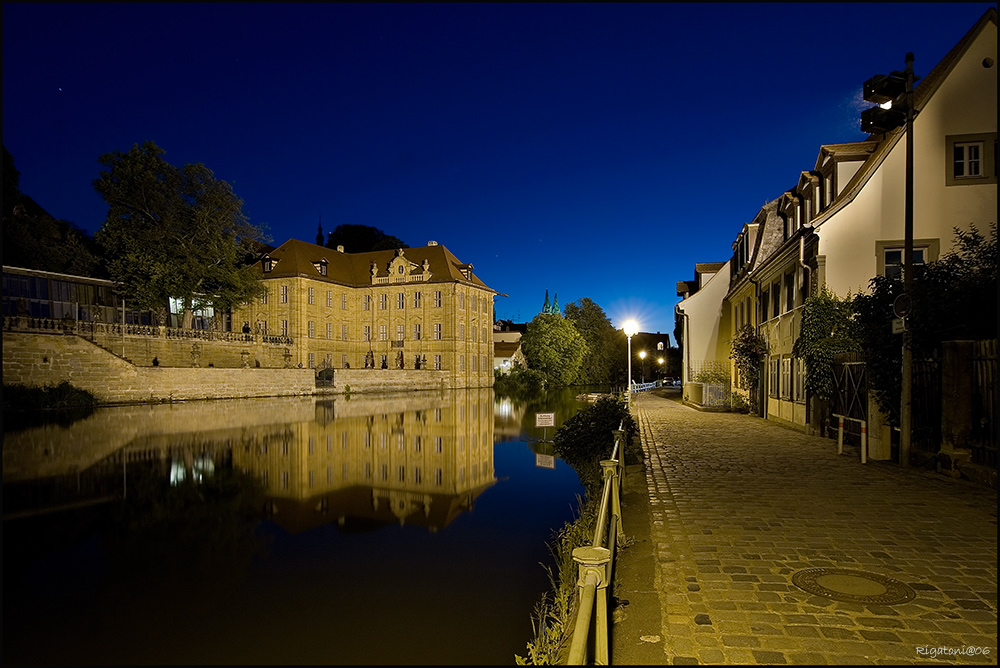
x: 62, y: 404
x: 63, y: 395
x: 587, y: 438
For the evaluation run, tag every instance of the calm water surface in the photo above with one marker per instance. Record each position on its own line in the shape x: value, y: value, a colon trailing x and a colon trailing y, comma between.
x: 393, y: 529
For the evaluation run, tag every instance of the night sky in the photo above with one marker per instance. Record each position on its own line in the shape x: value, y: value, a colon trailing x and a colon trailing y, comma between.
x: 594, y: 150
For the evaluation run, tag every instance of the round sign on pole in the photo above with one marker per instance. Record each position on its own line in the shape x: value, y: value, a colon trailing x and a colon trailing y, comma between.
x: 902, y: 305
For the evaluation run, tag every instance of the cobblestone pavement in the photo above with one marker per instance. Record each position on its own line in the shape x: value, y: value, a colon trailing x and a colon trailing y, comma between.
x: 738, y: 505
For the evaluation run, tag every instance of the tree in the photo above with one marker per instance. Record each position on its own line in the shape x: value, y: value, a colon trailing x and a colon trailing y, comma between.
x: 552, y: 345
x: 33, y: 239
x: 600, y: 336
x: 362, y: 238
x: 175, y: 232
x: 827, y: 329
x: 748, y: 350
x: 952, y: 298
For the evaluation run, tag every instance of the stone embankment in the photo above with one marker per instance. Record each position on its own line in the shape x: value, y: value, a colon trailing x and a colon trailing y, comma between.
x: 41, y: 359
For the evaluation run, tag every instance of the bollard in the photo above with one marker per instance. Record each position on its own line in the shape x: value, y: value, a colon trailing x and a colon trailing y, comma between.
x: 864, y: 442
x: 840, y: 434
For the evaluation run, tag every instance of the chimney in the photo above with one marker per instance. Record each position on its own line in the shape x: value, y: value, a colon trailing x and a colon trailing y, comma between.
x: 340, y: 249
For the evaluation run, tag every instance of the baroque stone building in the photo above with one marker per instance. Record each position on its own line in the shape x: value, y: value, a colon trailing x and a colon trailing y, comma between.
x: 409, y: 308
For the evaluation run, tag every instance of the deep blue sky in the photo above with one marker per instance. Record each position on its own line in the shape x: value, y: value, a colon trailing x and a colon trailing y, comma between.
x: 594, y: 150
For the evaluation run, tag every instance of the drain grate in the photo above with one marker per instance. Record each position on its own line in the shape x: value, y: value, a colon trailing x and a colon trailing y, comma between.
x: 849, y: 586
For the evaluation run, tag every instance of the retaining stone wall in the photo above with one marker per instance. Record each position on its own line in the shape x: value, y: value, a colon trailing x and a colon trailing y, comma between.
x: 40, y: 359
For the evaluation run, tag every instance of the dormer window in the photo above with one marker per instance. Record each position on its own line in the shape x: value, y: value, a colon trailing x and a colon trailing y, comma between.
x: 322, y: 267
x: 268, y: 264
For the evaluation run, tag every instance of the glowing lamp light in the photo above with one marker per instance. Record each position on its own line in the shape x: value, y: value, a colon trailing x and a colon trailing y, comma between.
x: 631, y: 328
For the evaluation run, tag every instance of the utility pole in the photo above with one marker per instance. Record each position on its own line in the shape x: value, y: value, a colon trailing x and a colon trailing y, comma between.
x: 906, y: 391
x: 894, y: 95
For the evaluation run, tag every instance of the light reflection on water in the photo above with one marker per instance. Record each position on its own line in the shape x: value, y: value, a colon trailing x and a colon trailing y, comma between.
x: 397, y: 529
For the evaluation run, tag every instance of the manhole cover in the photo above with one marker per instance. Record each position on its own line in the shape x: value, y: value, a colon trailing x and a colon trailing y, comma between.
x: 849, y: 586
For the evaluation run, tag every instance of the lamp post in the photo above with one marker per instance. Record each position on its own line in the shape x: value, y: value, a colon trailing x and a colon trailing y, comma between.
x: 630, y: 328
x: 642, y: 366
x: 659, y: 361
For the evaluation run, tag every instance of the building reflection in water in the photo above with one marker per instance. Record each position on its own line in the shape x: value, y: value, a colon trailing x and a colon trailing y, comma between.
x: 419, y: 458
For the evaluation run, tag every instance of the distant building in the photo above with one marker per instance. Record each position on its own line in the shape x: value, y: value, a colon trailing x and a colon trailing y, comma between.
x: 412, y: 308
x: 507, y: 352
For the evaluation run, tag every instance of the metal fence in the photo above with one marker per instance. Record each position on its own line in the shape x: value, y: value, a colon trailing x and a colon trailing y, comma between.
x: 596, y: 564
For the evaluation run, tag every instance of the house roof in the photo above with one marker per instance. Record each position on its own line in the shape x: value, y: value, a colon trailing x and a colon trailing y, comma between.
x: 505, y: 348
x: 301, y: 258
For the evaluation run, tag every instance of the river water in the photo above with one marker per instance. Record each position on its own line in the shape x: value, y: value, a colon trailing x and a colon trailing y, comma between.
x: 397, y: 529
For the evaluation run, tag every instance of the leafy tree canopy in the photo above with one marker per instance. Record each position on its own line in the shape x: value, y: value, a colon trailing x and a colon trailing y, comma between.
x: 35, y: 240
x: 603, y: 344
x: 552, y: 345
x: 952, y: 298
x: 827, y: 329
x: 175, y: 232
x: 362, y: 238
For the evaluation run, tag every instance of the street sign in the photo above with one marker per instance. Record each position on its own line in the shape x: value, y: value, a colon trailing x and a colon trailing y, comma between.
x: 902, y: 305
x: 545, y: 419
x: 898, y: 325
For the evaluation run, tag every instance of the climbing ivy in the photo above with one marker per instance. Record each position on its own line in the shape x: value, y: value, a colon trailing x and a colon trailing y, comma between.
x: 748, y: 349
x: 827, y: 329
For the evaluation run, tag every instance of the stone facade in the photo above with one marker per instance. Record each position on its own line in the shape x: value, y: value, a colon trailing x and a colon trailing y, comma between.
x: 411, y: 308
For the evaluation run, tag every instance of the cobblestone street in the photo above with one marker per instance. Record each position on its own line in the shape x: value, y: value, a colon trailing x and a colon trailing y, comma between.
x: 739, y: 511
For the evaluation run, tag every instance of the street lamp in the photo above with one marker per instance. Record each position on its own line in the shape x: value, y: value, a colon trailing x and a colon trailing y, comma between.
x: 642, y: 370
x: 630, y: 328
x: 659, y: 360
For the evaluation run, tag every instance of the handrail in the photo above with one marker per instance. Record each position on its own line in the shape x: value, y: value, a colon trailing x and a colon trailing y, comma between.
x: 596, y: 562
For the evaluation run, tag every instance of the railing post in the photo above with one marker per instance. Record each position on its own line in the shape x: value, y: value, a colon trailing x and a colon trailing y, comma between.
x: 592, y: 583
x: 620, y: 440
x: 610, y: 467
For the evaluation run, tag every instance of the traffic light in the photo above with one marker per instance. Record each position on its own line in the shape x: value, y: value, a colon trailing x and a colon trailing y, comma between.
x: 884, y: 89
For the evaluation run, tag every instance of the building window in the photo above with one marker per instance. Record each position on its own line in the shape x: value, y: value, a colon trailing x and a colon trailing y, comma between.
x: 798, y: 380
x: 268, y: 264
x: 772, y: 389
x: 437, y: 298
x: 366, y: 333
x: 416, y: 331
x: 284, y: 328
x: 343, y: 301
x: 311, y: 360
x: 263, y: 296
x: 366, y: 302
x: 775, y: 300
x: 343, y: 332
x: 437, y: 362
x: 461, y: 332
x: 786, y: 378
x: 312, y: 329
x: 329, y: 298
x: 402, y: 469
x: 284, y: 294
x: 889, y: 255
x: 329, y: 330
x: 383, y: 334
x: 343, y: 364
x: 416, y: 300
x: 383, y: 301
x: 400, y: 332
x: 789, y: 291
x: 461, y: 300
x: 322, y: 268
x: 384, y: 360
x: 416, y: 475
x: 461, y: 362
x: 437, y: 331
x: 972, y: 159
x: 311, y: 296
x: 401, y: 300
x: 968, y: 160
